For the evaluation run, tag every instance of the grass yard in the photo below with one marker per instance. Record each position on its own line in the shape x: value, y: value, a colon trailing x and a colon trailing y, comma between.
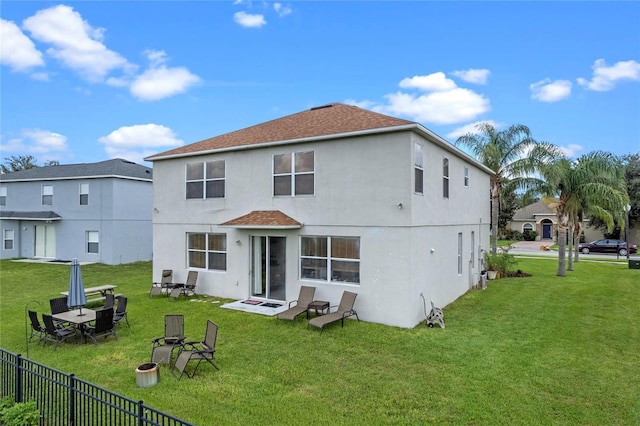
x: 536, y: 350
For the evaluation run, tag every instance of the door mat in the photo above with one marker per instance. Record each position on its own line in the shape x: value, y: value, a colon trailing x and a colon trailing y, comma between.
x: 270, y: 305
x: 251, y: 302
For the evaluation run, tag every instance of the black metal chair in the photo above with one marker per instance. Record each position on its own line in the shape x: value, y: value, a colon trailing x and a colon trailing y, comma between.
x: 53, y: 334
x: 109, y: 300
x: 102, y: 327
x: 37, y: 329
x: 121, y: 311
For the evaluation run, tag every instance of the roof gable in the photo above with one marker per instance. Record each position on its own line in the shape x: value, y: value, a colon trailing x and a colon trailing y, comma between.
x: 331, y: 119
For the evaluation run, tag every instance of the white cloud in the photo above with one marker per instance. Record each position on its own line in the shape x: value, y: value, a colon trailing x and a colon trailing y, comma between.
x: 281, y: 10
x: 605, y: 77
x: 136, y: 142
x: 476, y: 76
x: 471, y: 129
x: 248, y: 20
x: 432, y: 83
x: 39, y: 143
x: 571, y: 150
x: 75, y: 43
x: 17, y: 50
x: 162, y: 82
x: 550, y: 91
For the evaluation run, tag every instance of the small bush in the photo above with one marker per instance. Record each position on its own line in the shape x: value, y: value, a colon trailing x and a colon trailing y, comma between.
x: 529, y: 235
x: 19, y: 414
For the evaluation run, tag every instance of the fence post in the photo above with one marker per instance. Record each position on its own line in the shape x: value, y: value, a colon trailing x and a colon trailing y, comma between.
x: 72, y: 399
x: 141, y: 413
x: 18, y: 373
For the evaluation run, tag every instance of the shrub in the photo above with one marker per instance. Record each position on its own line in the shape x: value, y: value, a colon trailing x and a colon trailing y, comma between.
x: 503, y: 263
x: 529, y: 235
x: 19, y: 414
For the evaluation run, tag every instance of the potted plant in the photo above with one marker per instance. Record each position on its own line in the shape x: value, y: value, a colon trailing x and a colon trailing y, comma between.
x: 492, y: 265
x: 499, y: 265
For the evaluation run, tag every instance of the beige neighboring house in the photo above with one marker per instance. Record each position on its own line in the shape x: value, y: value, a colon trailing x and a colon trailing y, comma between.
x: 540, y: 218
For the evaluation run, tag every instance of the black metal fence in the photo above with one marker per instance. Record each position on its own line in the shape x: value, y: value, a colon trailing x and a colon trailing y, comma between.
x: 66, y: 400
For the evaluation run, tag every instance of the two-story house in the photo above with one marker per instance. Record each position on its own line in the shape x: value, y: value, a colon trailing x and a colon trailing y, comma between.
x: 335, y: 197
x: 95, y: 212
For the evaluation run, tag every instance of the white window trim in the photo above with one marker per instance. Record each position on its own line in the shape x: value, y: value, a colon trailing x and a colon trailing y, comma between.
x: 466, y: 177
x: 206, y: 251
x: 418, y: 149
x: 90, y: 241
x: 205, y: 179
x: 292, y: 175
x: 6, y: 237
x: 84, y: 193
x: 45, y: 194
x: 328, y: 258
x: 446, y: 178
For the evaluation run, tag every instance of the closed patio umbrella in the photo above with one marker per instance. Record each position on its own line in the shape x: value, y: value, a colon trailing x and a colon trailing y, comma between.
x: 76, y: 297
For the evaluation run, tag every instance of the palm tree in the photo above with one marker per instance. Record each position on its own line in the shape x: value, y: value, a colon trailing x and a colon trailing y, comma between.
x: 594, y: 183
x: 514, y: 156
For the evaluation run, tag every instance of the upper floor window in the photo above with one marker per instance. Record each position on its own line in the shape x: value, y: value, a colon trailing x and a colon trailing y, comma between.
x: 294, y: 173
x: 207, y: 251
x: 418, y: 168
x: 206, y: 179
x: 466, y: 177
x: 330, y: 259
x: 3, y: 195
x: 93, y: 242
x: 84, y: 194
x: 445, y: 177
x: 7, y: 237
x: 459, y: 253
x: 47, y: 195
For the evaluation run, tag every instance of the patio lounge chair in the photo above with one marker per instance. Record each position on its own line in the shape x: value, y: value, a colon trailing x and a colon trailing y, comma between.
x: 345, y: 310
x: 185, y: 288
x: 121, y: 311
x: 162, y: 350
x: 109, y: 300
x: 103, y: 326
x: 37, y: 329
x: 200, y: 351
x: 53, y: 334
x: 300, y: 306
x: 165, y: 284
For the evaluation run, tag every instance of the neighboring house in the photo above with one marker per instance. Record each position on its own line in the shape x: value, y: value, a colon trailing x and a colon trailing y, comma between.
x: 95, y: 212
x: 335, y: 197
x: 542, y: 219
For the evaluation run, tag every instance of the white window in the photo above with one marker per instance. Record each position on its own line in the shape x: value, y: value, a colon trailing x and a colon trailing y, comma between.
x: 7, y: 237
x: 206, y: 180
x: 466, y: 177
x: 473, y: 249
x: 93, y: 242
x: 334, y: 259
x: 418, y: 168
x: 294, y: 173
x: 84, y: 194
x: 3, y: 195
x: 459, y: 253
x: 527, y: 227
x: 445, y: 177
x: 207, y: 251
x: 47, y: 195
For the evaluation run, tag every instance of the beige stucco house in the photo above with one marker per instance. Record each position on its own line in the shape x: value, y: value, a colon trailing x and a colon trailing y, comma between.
x: 335, y: 197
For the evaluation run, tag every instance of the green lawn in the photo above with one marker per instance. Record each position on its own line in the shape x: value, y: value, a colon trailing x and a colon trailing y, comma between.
x: 537, y: 350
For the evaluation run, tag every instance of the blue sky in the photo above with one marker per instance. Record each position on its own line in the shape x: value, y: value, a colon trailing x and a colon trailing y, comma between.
x: 88, y: 81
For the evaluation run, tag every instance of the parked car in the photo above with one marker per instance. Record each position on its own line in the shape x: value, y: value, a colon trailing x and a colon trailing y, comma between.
x: 607, y: 246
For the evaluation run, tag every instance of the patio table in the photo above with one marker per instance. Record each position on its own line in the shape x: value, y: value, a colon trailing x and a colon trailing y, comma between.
x: 74, y: 317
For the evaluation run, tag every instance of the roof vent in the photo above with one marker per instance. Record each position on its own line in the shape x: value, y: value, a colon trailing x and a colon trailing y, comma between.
x: 321, y: 106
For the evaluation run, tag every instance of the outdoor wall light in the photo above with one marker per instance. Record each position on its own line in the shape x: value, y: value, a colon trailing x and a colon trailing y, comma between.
x: 432, y: 250
x: 399, y: 205
x: 238, y: 242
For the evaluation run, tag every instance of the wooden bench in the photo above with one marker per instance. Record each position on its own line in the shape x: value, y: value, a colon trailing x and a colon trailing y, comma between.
x: 92, y: 291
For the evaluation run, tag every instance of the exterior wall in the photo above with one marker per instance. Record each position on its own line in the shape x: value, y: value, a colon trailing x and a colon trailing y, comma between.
x: 119, y: 209
x: 360, y: 184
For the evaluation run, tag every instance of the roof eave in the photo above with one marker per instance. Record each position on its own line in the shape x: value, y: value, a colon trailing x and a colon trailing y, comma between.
x: 262, y: 226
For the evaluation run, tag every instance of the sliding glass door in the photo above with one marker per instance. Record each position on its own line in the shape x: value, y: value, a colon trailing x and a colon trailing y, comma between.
x: 268, y: 255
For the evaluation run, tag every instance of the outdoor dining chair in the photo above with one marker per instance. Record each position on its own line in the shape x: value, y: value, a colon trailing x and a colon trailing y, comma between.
x: 187, y: 287
x: 59, y: 305
x: 109, y: 300
x: 102, y: 327
x: 53, y: 334
x: 37, y: 329
x: 121, y: 311
x: 198, y: 351
x: 162, y: 349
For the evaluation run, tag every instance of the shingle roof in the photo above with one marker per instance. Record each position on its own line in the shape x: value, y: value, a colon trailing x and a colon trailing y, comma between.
x: 529, y: 212
x: 331, y: 119
x: 116, y: 167
x: 259, y: 219
x: 33, y: 215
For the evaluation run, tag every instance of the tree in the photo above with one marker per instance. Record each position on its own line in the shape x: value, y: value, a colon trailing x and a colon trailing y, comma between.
x: 18, y: 162
x: 593, y: 185
x: 513, y: 156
